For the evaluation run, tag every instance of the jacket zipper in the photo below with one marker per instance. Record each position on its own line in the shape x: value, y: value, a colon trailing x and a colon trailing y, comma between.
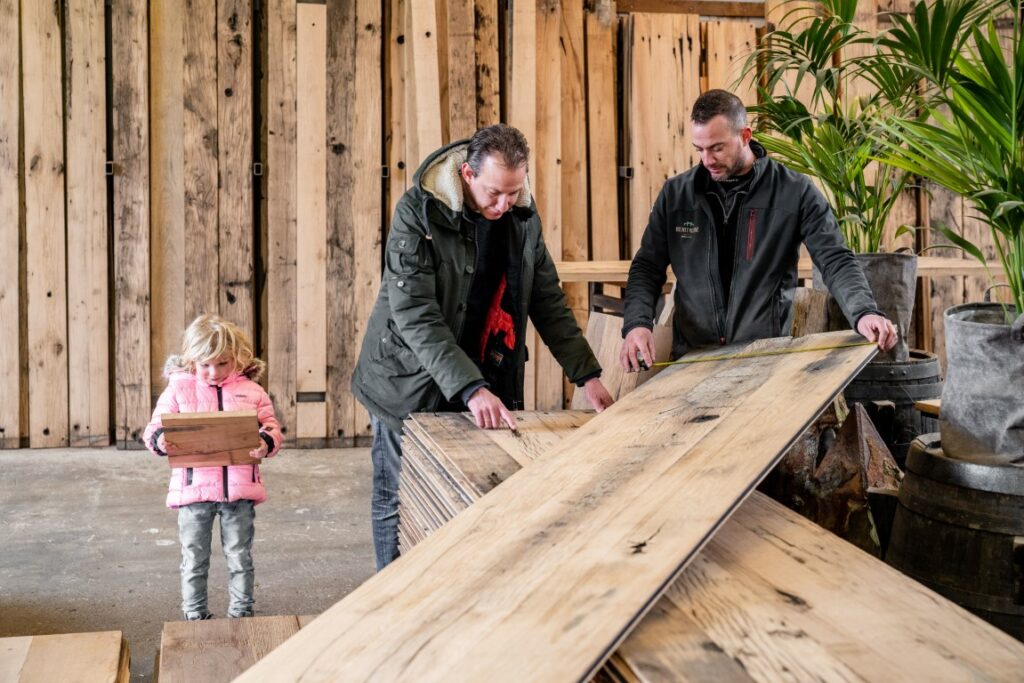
x: 224, y: 469
x: 711, y: 273
x: 751, y: 230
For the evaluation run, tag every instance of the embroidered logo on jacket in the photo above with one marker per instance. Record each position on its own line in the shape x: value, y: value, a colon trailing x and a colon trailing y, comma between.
x: 687, y: 229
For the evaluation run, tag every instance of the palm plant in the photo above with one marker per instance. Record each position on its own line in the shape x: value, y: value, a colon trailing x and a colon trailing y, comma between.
x: 973, y: 142
x: 807, y: 119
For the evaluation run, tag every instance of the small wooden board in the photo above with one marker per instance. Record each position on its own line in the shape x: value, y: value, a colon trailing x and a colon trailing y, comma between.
x: 99, y: 657
x: 211, y: 439
x: 220, y: 649
x: 930, y: 406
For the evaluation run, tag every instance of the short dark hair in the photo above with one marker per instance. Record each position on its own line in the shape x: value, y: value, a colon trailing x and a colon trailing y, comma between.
x: 719, y: 103
x: 498, y: 139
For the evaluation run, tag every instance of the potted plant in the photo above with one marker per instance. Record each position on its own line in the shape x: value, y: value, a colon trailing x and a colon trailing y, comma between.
x: 835, y: 138
x: 972, y: 142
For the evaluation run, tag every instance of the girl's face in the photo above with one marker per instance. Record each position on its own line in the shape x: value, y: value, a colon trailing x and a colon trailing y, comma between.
x: 215, y: 370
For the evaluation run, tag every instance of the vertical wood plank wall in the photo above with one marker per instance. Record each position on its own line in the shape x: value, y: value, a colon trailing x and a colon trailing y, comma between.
x: 259, y: 149
x: 11, y: 384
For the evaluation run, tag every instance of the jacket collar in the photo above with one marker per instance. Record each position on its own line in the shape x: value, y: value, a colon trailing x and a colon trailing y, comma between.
x: 702, y: 181
x: 439, y: 180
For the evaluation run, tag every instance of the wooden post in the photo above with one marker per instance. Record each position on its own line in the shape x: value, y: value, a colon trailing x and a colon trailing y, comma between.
x: 488, y: 74
x: 131, y: 220
x: 461, y: 71
x: 236, y: 285
x: 575, y: 238
x: 426, y: 111
x: 602, y: 29
x: 10, y: 228
x: 167, y: 149
x: 281, y: 185
x: 44, y: 225
x: 88, y: 323
x: 311, y: 378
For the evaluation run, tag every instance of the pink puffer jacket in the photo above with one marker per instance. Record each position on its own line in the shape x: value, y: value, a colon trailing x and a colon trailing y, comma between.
x: 186, y: 393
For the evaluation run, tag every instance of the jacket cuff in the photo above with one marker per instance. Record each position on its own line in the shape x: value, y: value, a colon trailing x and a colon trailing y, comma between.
x: 154, y: 439
x: 586, y: 378
x: 269, y: 440
x: 467, y: 391
x: 635, y: 324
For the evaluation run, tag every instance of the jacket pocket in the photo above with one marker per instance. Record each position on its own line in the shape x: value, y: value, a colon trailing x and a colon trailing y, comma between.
x: 394, y: 354
x: 403, y: 253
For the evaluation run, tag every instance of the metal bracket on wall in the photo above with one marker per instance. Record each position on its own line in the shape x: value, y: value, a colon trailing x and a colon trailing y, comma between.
x: 626, y: 172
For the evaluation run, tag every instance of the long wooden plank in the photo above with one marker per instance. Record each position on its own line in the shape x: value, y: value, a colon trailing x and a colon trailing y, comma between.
x: 353, y: 174
x: 624, y: 507
x: 236, y: 286
x: 575, y: 233
x: 167, y: 152
x: 399, y: 172
x: 729, y: 42
x: 281, y: 187
x: 10, y: 228
x: 773, y: 597
x: 201, y: 142
x: 100, y: 657
x: 618, y: 271
x: 46, y: 288
x: 131, y: 221
x: 711, y: 8
x: 602, y: 131
x: 219, y: 649
x: 425, y: 115
x: 522, y: 114
x: 548, y: 175
x: 461, y: 71
x: 665, y: 81
x: 88, y: 324
x: 488, y: 71
x: 311, y: 252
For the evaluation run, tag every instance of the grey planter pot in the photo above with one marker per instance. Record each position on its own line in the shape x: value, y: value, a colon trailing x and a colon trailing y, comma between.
x: 982, y: 413
x: 893, y: 280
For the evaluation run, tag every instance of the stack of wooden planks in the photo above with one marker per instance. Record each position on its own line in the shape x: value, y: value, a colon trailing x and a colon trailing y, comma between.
x: 771, y: 597
x: 100, y: 657
x: 218, y: 650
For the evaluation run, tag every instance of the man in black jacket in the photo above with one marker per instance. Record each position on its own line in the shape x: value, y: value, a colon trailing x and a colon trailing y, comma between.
x: 465, y: 268
x: 731, y: 228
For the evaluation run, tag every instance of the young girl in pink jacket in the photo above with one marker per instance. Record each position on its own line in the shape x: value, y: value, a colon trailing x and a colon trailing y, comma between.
x: 215, y: 371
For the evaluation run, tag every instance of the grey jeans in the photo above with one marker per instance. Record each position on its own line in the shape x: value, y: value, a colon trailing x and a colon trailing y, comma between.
x: 195, y: 529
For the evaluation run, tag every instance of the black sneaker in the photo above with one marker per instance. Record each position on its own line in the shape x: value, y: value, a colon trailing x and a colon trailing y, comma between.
x: 197, y: 616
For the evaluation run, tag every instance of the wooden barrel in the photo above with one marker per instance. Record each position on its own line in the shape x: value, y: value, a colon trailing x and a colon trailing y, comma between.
x: 888, y: 391
x: 959, y: 529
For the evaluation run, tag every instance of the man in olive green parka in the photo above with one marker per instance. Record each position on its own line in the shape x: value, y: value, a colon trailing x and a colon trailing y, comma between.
x: 465, y: 268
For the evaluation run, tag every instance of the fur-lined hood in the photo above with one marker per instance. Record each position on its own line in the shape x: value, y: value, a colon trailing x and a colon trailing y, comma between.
x: 438, y: 176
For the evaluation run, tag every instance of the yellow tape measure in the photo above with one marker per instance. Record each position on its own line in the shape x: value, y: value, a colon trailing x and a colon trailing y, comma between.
x: 761, y: 354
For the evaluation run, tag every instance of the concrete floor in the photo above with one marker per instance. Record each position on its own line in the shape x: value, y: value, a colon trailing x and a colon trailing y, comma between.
x: 86, y: 543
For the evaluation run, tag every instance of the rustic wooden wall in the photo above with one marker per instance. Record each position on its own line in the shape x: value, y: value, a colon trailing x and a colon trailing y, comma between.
x: 244, y: 157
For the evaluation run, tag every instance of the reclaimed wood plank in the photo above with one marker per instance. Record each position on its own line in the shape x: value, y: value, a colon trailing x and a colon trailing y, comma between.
x: 132, y: 385
x: 219, y: 649
x: 45, y: 245
x: 210, y: 439
x: 311, y: 226
x: 573, y: 162
x: 712, y: 8
x: 100, y: 657
x: 88, y: 320
x: 236, y: 285
x: 602, y: 103
x: 398, y: 161
x: 693, y: 456
x: 281, y: 188
x: 10, y: 228
x: 729, y: 42
x: 488, y: 70
x: 167, y: 154
x: 547, y: 177
x: 460, y: 77
x: 201, y: 143
x: 425, y: 113
x: 665, y: 81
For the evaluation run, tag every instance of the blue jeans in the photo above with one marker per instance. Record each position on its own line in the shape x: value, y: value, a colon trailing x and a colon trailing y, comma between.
x: 386, y: 454
x: 195, y: 529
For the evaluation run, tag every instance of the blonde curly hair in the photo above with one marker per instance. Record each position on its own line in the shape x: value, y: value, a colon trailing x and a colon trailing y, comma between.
x: 211, y: 336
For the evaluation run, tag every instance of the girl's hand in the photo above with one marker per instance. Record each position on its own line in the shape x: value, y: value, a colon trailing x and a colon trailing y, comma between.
x: 259, y: 453
x: 162, y: 444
